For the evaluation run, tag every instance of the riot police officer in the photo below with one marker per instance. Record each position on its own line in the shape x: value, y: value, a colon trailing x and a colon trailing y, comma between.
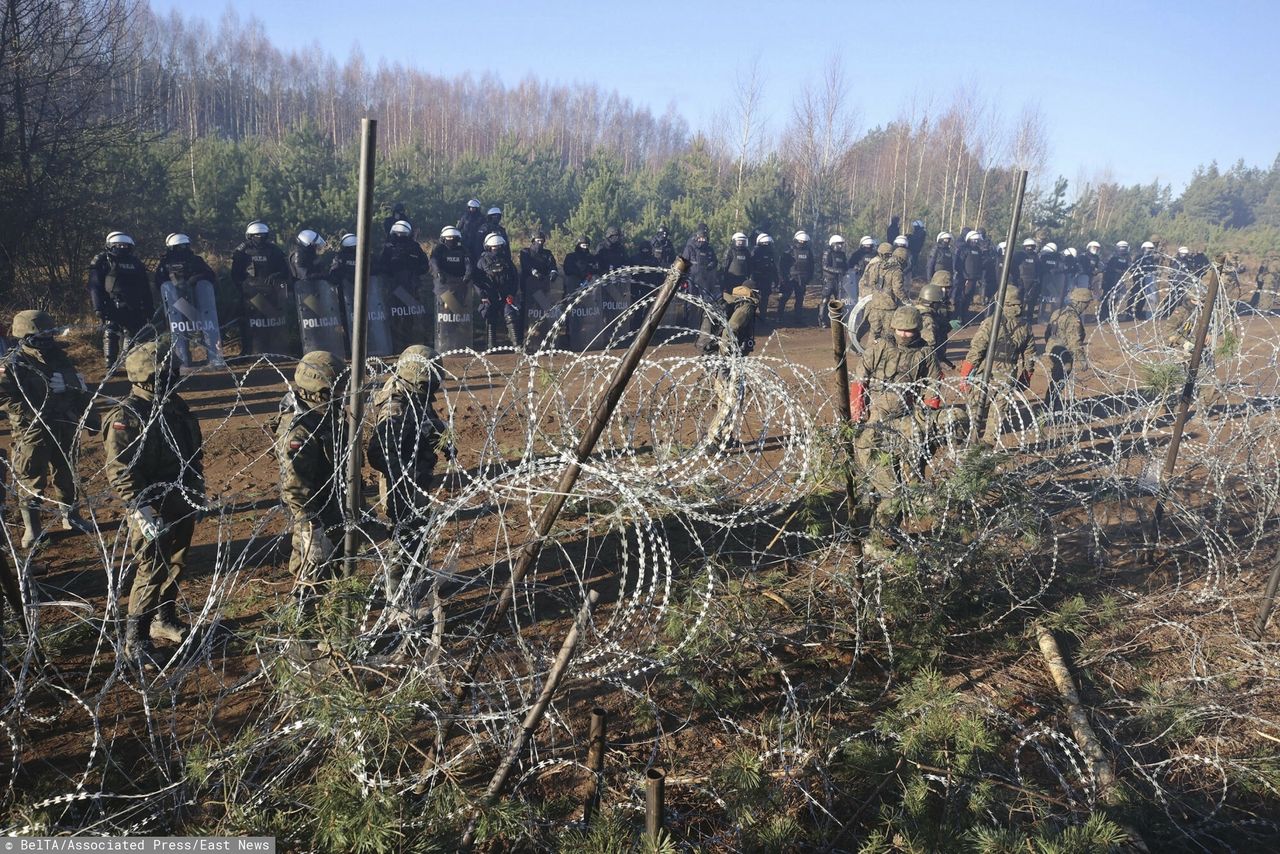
x: 469, y: 229
x: 493, y: 225
x: 402, y: 254
x: 663, y: 249
x: 764, y: 272
x: 498, y: 282
x: 120, y: 290
x: 611, y: 254
x: 835, y: 266
x: 259, y: 259
x: 798, y: 266
x: 305, y: 261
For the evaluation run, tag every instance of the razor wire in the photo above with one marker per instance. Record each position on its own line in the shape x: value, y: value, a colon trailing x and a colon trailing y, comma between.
x: 678, y: 532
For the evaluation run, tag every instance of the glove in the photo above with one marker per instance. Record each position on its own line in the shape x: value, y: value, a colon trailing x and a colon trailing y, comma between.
x: 57, y: 384
x: 858, y: 401
x: 317, y: 546
x: 484, y: 305
x: 145, y: 518
x: 933, y: 402
x: 966, y: 368
x: 555, y: 274
x: 955, y: 325
x: 536, y: 273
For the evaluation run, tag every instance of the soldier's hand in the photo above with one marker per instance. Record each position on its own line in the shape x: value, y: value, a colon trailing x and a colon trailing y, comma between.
x: 148, y: 525
x: 57, y: 383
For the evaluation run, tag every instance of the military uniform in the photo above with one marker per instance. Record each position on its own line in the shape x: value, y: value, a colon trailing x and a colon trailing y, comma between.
x: 45, y: 400
x: 935, y: 320
x: 739, y: 332
x: 405, y: 446
x: 895, y: 387
x: 1064, y: 344
x: 155, y: 463
x: 1011, y: 368
x: 1266, y: 283
x: 883, y: 280
x: 309, y: 437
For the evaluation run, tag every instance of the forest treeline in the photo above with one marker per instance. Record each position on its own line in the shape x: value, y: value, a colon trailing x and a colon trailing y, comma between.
x: 112, y: 117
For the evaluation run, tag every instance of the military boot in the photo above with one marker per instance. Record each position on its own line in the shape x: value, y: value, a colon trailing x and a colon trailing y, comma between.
x: 31, y: 527
x: 73, y: 521
x: 137, y: 642
x: 166, y: 626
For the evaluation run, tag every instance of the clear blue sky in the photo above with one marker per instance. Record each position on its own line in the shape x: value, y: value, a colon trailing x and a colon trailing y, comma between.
x: 1148, y: 89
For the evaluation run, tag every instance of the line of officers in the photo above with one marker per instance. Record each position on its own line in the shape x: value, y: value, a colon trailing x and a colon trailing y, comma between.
x: 155, y: 463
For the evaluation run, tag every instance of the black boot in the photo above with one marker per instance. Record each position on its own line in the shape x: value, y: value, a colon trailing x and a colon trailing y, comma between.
x: 137, y: 642
x: 166, y: 626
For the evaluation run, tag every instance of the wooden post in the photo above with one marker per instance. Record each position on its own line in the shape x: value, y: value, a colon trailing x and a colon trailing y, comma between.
x: 655, y: 804
x: 597, y: 743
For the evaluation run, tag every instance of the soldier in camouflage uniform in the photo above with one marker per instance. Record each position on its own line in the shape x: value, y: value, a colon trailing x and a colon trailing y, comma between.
x: 155, y: 463
x: 406, y: 444
x: 883, y: 280
x: 739, y: 333
x: 1266, y: 283
x: 1012, y: 367
x: 45, y: 400
x: 935, y: 320
x: 891, y: 399
x: 1064, y: 344
x: 308, y: 441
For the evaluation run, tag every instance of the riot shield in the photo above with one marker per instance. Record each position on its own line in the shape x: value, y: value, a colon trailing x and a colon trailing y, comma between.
x: 585, y: 319
x: 540, y: 313
x: 268, y: 316
x: 192, y: 311
x: 320, y: 317
x: 455, y: 319
x: 378, y: 329
x: 615, y: 298
x: 408, y: 314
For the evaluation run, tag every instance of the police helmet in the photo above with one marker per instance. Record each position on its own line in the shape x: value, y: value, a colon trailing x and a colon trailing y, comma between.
x: 495, y: 211
x: 177, y: 239
x: 32, y: 322
x: 835, y: 239
x: 739, y: 238
x: 307, y: 237
x: 1183, y: 251
x: 1000, y: 247
x: 449, y: 231
x: 1080, y: 295
x: 417, y: 365
x: 583, y: 242
x: 1122, y: 245
x: 662, y: 229
x: 1070, y: 251
x: 1029, y: 243
x: 1093, y: 244
x: 974, y: 236
x: 906, y: 317
x: 317, y: 372
x: 801, y: 237
x: 494, y: 240
x: 763, y: 239
x: 900, y: 240
x: 474, y: 203
x: 1147, y: 244
x: 349, y: 241
x: 1050, y: 247
x: 932, y: 293
x: 613, y: 230
x: 257, y: 227
x: 917, y: 223
x: 118, y: 239
x: 867, y: 242
x: 944, y: 236
x: 400, y: 228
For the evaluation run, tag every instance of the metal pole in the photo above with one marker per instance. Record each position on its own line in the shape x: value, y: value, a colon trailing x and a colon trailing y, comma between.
x: 655, y: 804
x: 360, y: 322
x: 839, y: 347
x: 979, y: 425
x: 551, y: 511
x: 534, y: 717
x: 597, y: 743
x: 1189, y: 387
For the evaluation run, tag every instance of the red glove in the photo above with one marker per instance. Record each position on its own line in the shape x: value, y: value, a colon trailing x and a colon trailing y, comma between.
x: 858, y: 401
x: 511, y: 300
x: 933, y: 402
x: 966, y: 368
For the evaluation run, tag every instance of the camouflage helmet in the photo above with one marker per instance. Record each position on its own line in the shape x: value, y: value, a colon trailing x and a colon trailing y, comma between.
x: 884, y: 249
x: 144, y: 361
x: 900, y: 252
x: 1080, y: 295
x: 32, y: 322
x: 417, y: 365
x: 932, y: 293
x: 317, y: 372
x: 906, y: 317
x: 941, y: 278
